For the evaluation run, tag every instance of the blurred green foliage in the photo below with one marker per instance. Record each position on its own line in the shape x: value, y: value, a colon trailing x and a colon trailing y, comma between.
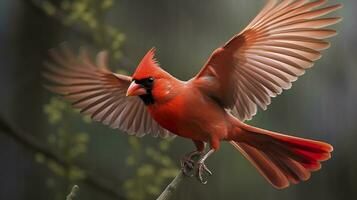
x: 66, y: 142
x: 89, y: 16
x: 150, y: 166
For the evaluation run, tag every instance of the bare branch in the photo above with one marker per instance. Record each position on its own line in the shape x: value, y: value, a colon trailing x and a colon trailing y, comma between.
x: 171, y: 188
x: 73, y: 193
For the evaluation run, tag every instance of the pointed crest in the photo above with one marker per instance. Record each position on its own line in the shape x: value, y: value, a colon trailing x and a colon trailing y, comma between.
x: 147, y: 66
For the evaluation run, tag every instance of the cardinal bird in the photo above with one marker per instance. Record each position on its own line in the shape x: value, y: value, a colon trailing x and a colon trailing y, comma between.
x: 281, y: 42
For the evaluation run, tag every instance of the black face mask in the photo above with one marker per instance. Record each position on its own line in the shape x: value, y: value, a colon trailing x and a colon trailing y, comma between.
x: 146, y: 83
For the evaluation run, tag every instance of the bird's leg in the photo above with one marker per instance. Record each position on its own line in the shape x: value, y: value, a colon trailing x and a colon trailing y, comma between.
x: 201, y: 166
x: 187, y: 162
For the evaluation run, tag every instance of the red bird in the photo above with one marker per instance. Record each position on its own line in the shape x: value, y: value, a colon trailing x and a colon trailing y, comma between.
x: 281, y: 42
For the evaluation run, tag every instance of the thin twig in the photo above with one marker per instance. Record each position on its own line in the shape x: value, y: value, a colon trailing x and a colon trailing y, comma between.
x: 73, y: 193
x: 172, y: 187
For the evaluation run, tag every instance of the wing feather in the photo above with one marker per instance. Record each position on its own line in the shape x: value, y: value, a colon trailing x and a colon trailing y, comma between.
x: 98, y: 92
x: 277, y: 47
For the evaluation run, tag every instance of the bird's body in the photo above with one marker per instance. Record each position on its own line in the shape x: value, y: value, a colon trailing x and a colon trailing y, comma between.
x: 208, y: 120
x: 277, y: 47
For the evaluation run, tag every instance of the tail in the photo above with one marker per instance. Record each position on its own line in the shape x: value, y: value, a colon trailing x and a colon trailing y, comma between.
x: 281, y: 159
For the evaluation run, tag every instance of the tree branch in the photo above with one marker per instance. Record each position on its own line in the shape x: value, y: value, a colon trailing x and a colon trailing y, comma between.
x: 28, y: 141
x: 73, y: 193
x: 171, y: 188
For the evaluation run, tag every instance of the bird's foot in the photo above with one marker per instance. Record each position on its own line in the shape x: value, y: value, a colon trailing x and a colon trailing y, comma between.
x: 188, y: 164
x: 201, y: 168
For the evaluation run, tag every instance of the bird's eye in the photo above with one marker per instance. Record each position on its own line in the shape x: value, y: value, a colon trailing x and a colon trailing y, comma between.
x: 151, y: 79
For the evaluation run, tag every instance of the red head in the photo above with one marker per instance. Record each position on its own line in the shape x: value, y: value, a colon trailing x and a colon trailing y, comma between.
x: 147, y: 74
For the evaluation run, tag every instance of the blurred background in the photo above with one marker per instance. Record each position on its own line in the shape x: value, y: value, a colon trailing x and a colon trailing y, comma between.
x: 46, y: 147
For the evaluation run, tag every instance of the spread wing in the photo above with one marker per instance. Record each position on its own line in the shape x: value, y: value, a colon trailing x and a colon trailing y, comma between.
x: 282, y: 41
x: 98, y: 92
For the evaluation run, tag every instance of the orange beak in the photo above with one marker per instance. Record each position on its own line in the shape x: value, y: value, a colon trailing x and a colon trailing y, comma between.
x: 135, y: 90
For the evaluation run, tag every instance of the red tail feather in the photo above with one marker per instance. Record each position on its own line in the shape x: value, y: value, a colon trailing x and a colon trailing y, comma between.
x: 281, y: 159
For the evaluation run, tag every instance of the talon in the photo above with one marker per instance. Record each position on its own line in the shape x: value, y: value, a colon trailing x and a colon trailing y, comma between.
x: 207, y: 170
x: 200, y: 170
